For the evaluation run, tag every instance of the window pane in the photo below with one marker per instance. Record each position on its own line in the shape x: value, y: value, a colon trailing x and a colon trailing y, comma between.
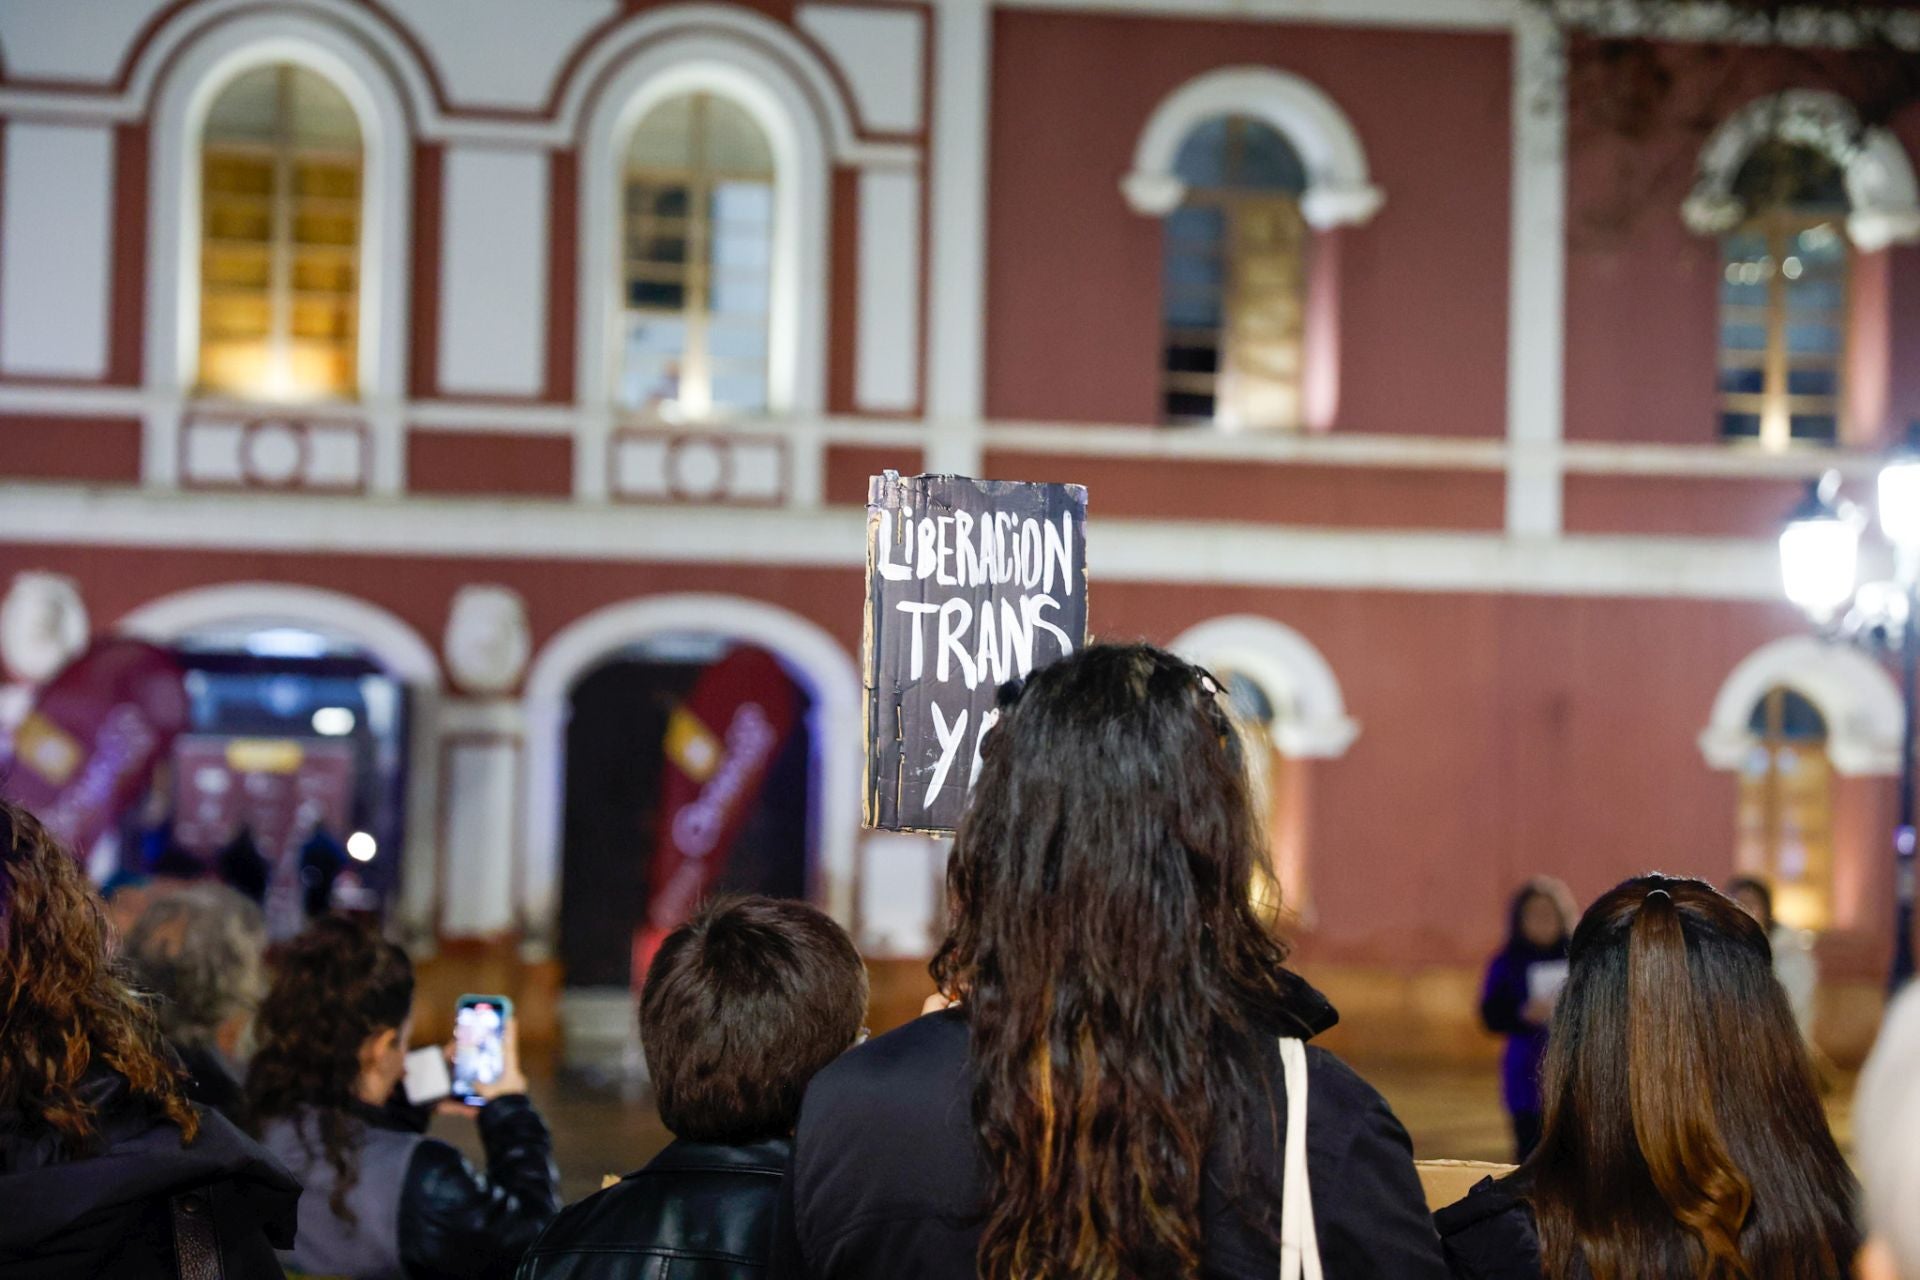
x: 664, y: 138
x: 735, y: 144
x: 1743, y: 337
x: 1197, y: 228
x: 1266, y: 161
x: 1740, y: 426
x: 1813, y: 382
x: 1820, y: 428
x: 1202, y: 160
x: 1193, y: 358
x: 280, y: 199
x: 1813, y: 339
x: 699, y: 240
x: 1743, y: 382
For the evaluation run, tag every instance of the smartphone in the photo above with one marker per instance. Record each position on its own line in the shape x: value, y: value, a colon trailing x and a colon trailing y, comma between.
x: 479, y: 1044
x: 427, y: 1079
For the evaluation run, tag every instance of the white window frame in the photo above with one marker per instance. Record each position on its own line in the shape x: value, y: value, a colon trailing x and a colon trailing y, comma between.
x: 204, y: 69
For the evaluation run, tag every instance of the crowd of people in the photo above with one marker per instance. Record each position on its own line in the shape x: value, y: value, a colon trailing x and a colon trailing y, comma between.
x: 1115, y: 1079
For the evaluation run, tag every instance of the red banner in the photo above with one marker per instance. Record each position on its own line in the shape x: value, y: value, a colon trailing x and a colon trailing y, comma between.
x: 88, y: 748
x: 719, y: 744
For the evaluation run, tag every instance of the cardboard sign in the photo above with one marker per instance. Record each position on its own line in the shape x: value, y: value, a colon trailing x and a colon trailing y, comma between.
x: 970, y: 583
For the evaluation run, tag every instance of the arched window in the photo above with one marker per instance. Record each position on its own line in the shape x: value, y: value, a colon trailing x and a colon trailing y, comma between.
x: 1234, y: 279
x: 1783, y: 299
x: 1786, y: 808
x: 281, y: 160
x: 697, y: 244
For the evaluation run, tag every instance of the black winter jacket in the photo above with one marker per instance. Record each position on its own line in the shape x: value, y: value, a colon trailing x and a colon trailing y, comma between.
x: 112, y: 1213
x: 451, y: 1222
x: 699, y: 1211
x: 1491, y: 1235
x: 888, y: 1179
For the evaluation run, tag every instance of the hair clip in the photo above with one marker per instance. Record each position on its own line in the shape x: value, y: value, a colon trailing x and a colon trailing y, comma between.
x: 1658, y: 893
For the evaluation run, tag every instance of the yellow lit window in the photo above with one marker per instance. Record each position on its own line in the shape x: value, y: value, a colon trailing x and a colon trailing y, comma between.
x: 1783, y: 301
x: 280, y: 198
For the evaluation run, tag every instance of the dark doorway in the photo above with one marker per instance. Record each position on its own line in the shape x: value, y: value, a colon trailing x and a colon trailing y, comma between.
x: 615, y: 752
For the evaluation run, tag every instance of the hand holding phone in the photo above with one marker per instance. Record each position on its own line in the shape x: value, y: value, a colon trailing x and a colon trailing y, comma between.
x: 486, y: 1050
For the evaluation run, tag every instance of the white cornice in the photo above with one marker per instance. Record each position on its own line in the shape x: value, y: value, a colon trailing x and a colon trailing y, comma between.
x: 1212, y: 553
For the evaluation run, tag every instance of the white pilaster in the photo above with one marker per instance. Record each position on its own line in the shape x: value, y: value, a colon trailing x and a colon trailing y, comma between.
x: 1536, y: 309
x: 957, y: 329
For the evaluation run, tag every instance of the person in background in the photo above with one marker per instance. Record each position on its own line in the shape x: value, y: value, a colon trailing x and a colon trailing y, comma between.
x: 1105, y: 1099
x: 382, y: 1201
x: 127, y: 895
x: 1684, y: 1133
x: 1517, y: 998
x: 201, y: 950
x: 106, y: 1169
x: 1886, y: 1124
x: 742, y: 1005
x: 1793, y: 960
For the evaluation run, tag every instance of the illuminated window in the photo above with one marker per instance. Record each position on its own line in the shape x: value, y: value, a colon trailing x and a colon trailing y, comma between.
x: 1786, y: 808
x: 698, y: 251
x: 1234, y: 279
x: 280, y: 249
x: 1783, y: 301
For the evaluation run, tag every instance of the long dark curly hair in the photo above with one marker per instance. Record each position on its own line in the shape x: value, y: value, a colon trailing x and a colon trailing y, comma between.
x: 1114, y: 970
x: 64, y: 1009
x: 334, y: 987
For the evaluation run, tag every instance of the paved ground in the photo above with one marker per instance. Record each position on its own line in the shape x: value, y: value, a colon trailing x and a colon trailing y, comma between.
x: 1451, y: 1112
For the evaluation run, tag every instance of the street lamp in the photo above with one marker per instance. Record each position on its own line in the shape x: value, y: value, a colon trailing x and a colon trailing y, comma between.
x: 1819, y: 568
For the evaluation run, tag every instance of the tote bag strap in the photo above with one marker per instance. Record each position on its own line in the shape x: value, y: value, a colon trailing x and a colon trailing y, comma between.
x: 1299, y: 1245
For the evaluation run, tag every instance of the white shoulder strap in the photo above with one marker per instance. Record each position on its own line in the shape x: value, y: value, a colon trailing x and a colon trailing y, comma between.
x: 1299, y: 1245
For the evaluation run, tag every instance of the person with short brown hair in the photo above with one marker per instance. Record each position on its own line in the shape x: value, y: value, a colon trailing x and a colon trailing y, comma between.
x: 742, y: 1005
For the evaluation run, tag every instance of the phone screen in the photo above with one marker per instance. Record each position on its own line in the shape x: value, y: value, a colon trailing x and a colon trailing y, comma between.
x: 479, y: 1043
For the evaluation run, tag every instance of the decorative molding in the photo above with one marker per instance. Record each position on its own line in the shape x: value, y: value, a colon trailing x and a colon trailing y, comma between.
x: 698, y: 466
x: 1310, y: 715
x: 1854, y: 694
x: 1881, y: 189
x: 236, y: 606
x: 43, y: 625
x: 270, y: 451
x: 815, y: 655
x: 1339, y: 191
x: 1180, y: 552
x: 487, y: 641
x: 1445, y: 15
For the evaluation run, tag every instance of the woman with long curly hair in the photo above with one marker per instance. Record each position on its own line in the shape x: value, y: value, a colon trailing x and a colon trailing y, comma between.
x: 384, y: 1202
x: 1684, y: 1135
x: 105, y: 1168
x: 1108, y: 1099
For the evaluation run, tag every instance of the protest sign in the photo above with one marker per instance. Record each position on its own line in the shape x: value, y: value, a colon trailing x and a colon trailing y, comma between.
x: 970, y: 583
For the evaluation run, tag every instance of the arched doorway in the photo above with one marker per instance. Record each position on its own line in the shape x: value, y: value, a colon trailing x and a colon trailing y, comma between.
x: 629, y: 653
x: 310, y: 715
x: 621, y: 743
x: 1285, y: 696
x: 1785, y: 808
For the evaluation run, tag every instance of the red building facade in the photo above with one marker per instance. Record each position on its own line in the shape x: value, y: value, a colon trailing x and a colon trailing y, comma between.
x: 415, y: 342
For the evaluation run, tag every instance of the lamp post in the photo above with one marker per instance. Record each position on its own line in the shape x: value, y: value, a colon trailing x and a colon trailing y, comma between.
x: 1819, y: 568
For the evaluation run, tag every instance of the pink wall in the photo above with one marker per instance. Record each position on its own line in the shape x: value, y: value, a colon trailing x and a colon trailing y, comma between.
x: 1643, y: 291
x: 1073, y: 292
x: 1501, y: 736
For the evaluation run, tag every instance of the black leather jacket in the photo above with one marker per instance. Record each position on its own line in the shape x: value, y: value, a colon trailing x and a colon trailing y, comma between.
x: 455, y: 1223
x: 453, y: 1220
x: 699, y: 1211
